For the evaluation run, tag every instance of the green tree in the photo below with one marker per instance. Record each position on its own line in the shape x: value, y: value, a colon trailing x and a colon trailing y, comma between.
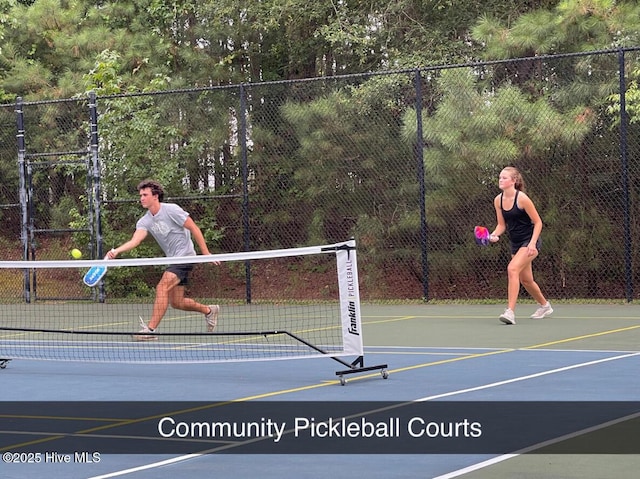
x: 545, y: 116
x: 55, y: 43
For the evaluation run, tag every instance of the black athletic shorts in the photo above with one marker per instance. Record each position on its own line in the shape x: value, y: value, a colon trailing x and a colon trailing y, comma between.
x: 523, y: 244
x: 181, y: 271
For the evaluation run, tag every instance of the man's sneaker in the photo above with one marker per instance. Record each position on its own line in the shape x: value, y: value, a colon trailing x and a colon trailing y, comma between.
x: 543, y: 311
x: 212, y: 317
x: 508, y: 317
x: 145, y: 333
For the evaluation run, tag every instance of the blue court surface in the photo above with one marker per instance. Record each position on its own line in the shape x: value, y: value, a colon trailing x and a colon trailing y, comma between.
x: 435, y: 353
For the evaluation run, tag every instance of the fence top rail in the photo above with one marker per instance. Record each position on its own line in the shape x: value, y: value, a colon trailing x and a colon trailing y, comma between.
x: 173, y: 198
x: 474, y: 64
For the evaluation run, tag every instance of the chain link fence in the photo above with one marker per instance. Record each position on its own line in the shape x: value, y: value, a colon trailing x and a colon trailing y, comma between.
x: 406, y: 162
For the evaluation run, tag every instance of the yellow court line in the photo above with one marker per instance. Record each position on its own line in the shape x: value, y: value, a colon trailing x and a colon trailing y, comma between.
x: 584, y: 336
x: 473, y: 316
x: 391, y: 320
x: 446, y: 361
x: 61, y: 418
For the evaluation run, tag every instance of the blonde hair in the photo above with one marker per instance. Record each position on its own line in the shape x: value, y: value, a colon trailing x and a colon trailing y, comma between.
x: 516, y: 176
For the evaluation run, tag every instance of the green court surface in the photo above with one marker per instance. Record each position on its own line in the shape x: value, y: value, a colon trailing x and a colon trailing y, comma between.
x: 574, y: 326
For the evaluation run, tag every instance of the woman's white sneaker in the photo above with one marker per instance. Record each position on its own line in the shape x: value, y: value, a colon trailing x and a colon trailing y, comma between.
x: 508, y: 317
x: 543, y: 311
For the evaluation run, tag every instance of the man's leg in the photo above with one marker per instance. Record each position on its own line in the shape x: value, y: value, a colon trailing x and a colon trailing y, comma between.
x: 164, y: 291
x: 210, y: 312
x: 179, y: 301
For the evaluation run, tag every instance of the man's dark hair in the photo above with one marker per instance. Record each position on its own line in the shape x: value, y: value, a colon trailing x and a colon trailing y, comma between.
x: 154, y: 186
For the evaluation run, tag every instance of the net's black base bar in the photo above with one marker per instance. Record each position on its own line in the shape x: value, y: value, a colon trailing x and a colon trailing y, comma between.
x: 358, y: 366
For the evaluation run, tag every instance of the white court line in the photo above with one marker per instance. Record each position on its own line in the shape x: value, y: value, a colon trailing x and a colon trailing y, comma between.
x: 504, y: 457
x: 462, y: 348
x: 450, y: 475
x: 529, y: 376
x: 153, y: 465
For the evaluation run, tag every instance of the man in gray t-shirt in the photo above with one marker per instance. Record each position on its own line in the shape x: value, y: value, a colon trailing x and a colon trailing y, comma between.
x: 173, y: 229
x: 167, y: 226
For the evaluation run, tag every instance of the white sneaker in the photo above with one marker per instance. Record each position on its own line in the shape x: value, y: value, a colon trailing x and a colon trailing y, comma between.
x: 212, y: 317
x: 508, y: 317
x: 543, y: 311
x: 144, y: 334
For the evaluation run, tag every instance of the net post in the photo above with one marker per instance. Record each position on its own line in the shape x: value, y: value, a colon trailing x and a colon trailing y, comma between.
x: 351, y: 318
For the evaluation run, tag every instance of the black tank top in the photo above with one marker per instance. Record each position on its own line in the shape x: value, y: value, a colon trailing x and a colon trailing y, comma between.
x: 519, y: 225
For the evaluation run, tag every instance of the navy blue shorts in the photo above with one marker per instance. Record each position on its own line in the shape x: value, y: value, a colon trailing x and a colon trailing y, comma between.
x: 523, y: 244
x: 181, y: 271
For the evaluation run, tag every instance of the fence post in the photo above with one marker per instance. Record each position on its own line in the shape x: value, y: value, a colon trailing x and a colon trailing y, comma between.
x: 625, y: 179
x: 419, y: 157
x: 24, y: 234
x: 95, y: 222
x: 245, y: 187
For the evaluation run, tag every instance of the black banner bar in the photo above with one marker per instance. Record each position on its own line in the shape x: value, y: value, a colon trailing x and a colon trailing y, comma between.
x: 271, y: 427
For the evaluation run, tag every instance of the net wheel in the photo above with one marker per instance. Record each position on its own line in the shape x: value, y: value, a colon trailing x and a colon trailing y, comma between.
x: 343, y: 381
x: 385, y: 374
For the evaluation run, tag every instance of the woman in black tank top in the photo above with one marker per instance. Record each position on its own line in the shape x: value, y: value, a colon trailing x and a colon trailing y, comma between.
x: 519, y: 225
x: 517, y: 216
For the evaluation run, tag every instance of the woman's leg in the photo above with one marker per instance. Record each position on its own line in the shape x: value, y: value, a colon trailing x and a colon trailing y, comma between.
x: 520, y: 262
x: 526, y: 279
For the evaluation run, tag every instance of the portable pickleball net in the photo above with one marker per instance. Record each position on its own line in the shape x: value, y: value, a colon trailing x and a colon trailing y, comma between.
x: 257, y: 320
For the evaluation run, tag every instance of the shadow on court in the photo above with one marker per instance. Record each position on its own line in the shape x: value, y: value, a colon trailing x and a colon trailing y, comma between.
x: 435, y: 353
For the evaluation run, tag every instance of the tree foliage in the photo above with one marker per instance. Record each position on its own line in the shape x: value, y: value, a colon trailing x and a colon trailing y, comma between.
x: 308, y: 142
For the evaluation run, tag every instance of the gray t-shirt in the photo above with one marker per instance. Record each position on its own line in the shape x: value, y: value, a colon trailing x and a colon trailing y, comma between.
x: 167, y: 227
